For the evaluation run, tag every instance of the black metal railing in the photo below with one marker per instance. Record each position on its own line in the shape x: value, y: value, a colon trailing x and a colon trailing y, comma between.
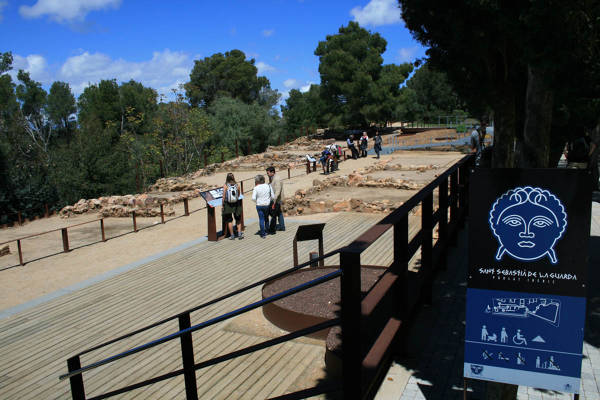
x: 370, y: 324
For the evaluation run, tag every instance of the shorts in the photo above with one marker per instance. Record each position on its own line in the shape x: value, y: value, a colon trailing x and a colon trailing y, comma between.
x: 231, y: 210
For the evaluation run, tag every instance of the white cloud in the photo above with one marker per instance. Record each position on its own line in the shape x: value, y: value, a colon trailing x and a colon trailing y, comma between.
x: 35, y: 64
x: 306, y: 87
x: 407, y: 54
x: 268, y: 32
x: 166, y: 70
x: 377, y: 12
x: 263, y: 67
x: 3, y: 3
x: 291, y: 83
x: 66, y: 10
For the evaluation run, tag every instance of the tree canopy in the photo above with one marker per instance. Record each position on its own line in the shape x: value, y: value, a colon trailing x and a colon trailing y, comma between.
x: 355, y: 87
x: 224, y: 75
x: 525, y: 60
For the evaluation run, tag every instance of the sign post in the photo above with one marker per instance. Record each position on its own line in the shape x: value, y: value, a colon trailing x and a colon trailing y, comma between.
x: 526, y: 292
x: 214, y: 198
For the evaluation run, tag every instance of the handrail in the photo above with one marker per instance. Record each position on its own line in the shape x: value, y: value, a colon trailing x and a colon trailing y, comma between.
x: 225, y: 357
x: 364, y: 241
x: 207, y: 323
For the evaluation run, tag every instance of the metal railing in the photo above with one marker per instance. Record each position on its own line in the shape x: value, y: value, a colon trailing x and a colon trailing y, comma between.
x: 370, y: 324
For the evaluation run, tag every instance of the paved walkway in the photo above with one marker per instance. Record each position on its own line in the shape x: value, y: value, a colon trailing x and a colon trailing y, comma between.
x: 431, y: 365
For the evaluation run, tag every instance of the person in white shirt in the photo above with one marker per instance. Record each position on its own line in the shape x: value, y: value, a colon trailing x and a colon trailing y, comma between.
x: 262, y: 195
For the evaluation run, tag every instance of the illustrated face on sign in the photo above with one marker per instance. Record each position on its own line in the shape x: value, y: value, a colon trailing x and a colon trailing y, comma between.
x: 527, y: 222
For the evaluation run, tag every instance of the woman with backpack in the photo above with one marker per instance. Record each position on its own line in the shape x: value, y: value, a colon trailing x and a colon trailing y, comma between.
x: 232, y: 206
x: 364, y: 142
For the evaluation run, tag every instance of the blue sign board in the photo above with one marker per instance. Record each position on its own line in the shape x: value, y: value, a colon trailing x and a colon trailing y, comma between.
x: 524, y: 338
x: 525, y: 313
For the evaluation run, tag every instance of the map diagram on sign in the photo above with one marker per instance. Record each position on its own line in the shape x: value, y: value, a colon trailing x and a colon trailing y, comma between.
x: 544, y: 308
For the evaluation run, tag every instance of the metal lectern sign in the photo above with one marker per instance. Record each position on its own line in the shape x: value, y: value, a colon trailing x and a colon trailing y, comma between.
x: 528, y: 255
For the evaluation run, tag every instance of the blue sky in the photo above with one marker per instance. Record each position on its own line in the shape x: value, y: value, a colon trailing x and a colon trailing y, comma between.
x: 155, y: 41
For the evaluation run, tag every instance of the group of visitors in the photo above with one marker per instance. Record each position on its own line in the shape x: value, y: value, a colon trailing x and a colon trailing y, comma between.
x: 363, y: 143
x: 268, y: 197
x: 330, y: 158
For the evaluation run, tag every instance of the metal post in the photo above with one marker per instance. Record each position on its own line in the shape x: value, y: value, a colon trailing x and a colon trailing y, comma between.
x: 65, y: 239
x: 186, y: 208
x: 162, y: 213
x: 20, y: 252
x: 187, y: 357
x: 351, y: 324
x: 102, y: 229
x: 321, y: 251
x: 134, y: 221
x: 77, y: 389
x: 295, y: 251
x: 426, y: 247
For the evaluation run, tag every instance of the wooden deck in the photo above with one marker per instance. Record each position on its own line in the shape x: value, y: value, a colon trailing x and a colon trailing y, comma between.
x: 35, y: 344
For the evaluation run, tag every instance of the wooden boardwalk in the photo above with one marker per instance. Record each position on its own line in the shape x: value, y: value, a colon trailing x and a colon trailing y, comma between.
x: 35, y: 344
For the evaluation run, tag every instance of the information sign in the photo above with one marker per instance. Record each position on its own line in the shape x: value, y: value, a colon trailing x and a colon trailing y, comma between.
x: 528, y: 249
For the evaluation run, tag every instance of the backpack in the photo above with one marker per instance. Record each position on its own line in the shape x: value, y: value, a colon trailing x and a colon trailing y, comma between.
x: 231, y: 196
x: 579, y: 150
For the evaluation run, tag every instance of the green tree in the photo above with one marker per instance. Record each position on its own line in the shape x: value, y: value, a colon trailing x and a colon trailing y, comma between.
x: 433, y: 94
x: 303, y: 109
x: 181, y: 135
x: 524, y: 60
x: 221, y: 75
x: 60, y: 108
x: 100, y: 105
x: 354, y: 83
x: 232, y: 119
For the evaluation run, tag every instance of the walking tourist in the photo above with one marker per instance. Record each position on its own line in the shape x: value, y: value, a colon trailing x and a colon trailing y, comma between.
x: 350, y: 143
x: 377, y: 146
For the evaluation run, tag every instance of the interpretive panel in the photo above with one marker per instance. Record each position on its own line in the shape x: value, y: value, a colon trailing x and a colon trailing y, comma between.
x: 528, y: 250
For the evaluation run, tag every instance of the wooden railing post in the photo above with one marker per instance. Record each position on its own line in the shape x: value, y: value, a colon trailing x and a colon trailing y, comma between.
x: 307, y: 167
x: 443, y: 222
x: 426, y: 247
x: 19, y: 217
x: 352, y: 352
x: 187, y: 357
x: 65, y: 239
x: 20, y: 252
x: 454, y: 199
x: 77, y: 389
x: 186, y: 207
x: 102, y: 229
x: 134, y: 221
x: 162, y: 213
x: 289, y: 173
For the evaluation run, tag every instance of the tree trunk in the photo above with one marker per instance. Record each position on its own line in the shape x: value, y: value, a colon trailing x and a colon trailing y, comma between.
x: 539, y: 101
x: 505, y: 120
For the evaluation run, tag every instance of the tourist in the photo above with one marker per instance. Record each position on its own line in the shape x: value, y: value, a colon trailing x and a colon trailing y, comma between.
x: 377, y: 146
x: 364, y: 142
x: 232, y: 207
x: 276, y: 212
x: 262, y: 194
x: 476, y: 144
x: 350, y: 143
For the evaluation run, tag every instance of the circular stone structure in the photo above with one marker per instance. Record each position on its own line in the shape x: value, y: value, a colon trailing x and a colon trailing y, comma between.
x: 311, y: 306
